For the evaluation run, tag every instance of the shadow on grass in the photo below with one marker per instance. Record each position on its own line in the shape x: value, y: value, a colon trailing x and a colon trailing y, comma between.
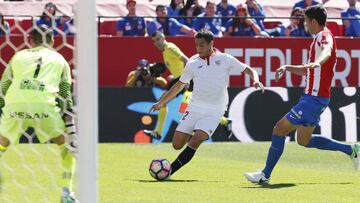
x: 344, y: 183
x: 173, y: 181
x: 271, y: 186
x: 288, y: 185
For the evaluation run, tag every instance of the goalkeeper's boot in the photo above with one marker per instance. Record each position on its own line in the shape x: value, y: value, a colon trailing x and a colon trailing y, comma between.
x: 68, y: 197
x: 257, y: 177
x: 355, y: 156
x: 153, y: 134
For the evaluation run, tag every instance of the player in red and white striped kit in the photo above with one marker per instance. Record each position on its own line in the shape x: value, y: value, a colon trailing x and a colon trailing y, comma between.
x: 305, y: 115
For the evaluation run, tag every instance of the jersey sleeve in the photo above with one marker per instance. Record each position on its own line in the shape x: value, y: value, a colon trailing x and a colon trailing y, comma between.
x: 5, y: 83
x: 235, y: 65
x: 187, y: 74
x: 151, y: 28
x: 325, y: 41
x: 175, y: 25
x: 66, y: 101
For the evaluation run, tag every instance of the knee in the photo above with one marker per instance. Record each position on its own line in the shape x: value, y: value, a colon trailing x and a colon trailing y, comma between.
x: 279, y: 129
x: 177, y: 146
x: 60, y: 140
x: 4, y: 142
x: 303, y: 142
x: 195, y: 142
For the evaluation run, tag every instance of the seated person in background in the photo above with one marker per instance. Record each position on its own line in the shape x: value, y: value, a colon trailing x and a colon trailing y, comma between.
x: 168, y: 26
x: 174, y: 8
x: 352, y: 27
x: 49, y: 18
x: 131, y: 25
x: 179, y: 8
x: 147, y: 75
x: 195, y: 10
x: 68, y: 25
x: 225, y: 9
x: 256, y: 10
x: 242, y: 26
x: 4, y: 26
x: 305, y: 3
x: 212, y: 24
x: 296, y: 28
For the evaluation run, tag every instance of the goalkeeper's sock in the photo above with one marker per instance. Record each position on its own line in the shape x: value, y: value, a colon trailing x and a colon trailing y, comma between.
x: 184, y: 157
x: 68, y: 163
x: 325, y: 143
x: 274, y: 154
x: 2, y: 150
x: 224, y: 121
x: 161, y: 120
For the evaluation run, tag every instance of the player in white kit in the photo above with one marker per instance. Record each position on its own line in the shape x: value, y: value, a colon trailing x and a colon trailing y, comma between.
x: 210, y: 70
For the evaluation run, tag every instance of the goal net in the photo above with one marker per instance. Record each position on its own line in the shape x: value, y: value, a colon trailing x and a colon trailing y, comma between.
x: 40, y: 168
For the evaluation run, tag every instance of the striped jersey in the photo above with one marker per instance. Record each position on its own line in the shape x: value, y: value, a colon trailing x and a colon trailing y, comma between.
x: 318, y: 80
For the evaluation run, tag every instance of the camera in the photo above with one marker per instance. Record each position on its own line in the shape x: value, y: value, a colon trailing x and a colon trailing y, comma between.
x: 156, y: 69
x: 153, y: 69
x: 144, y: 70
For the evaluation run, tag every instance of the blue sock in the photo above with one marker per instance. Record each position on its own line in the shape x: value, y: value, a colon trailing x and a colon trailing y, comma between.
x: 325, y: 143
x: 275, y: 151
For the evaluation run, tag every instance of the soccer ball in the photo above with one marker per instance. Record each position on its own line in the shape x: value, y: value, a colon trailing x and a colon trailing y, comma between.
x: 160, y: 169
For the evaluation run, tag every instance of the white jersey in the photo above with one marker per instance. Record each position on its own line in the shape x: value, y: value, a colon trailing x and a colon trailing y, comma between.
x: 211, y: 79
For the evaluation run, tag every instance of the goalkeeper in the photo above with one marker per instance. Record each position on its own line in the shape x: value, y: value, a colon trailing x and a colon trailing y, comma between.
x: 36, y: 92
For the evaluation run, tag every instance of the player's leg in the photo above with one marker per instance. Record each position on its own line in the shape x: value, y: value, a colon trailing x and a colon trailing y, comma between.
x: 183, y: 133
x: 161, y: 120
x: 227, y: 123
x: 203, y: 124
x: 282, y: 128
x: 307, y: 139
x: 312, y: 110
x: 156, y: 133
x: 53, y: 128
x: 68, y: 163
x: 187, y: 154
x: 4, y: 144
x: 11, y: 130
x: 180, y: 139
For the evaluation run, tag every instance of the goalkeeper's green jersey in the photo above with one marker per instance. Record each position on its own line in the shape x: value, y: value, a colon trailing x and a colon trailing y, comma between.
x: 37, y: 76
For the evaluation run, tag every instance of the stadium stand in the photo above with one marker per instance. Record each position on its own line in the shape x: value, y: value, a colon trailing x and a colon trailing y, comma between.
x: 108, y: 27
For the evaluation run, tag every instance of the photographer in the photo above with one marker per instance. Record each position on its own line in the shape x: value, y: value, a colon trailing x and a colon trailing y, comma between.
x: 147, y: 75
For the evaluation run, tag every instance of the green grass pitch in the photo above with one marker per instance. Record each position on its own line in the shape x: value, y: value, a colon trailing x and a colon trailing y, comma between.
x: 214, y: 175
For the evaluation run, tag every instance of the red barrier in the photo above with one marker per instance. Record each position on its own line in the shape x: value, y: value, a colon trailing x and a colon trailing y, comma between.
x: 118, y: 56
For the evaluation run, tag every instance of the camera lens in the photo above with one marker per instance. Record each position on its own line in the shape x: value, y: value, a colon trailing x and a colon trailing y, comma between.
x: 144, y: 71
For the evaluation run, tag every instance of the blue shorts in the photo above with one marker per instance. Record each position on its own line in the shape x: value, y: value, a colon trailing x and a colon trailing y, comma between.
x: 308, y: 110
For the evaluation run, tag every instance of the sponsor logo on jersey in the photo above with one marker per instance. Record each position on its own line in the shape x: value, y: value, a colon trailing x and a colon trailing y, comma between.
x: 27, y: 115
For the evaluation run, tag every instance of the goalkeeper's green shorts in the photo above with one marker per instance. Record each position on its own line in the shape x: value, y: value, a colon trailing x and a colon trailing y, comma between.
x: 45, y: 120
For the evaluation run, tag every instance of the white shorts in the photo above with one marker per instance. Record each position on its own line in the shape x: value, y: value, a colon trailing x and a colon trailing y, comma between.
x: 197, y: 118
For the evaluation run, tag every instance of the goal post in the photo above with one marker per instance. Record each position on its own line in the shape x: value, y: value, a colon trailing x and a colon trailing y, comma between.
x: 87, y: 99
